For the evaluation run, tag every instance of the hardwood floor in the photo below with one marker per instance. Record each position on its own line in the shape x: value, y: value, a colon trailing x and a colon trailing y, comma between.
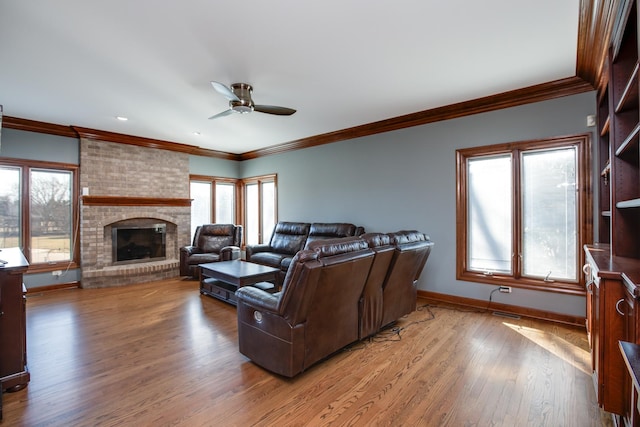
x: 160, y: 354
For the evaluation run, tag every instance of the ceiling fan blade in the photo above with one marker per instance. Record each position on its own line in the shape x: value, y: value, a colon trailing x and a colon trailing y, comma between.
x: 272, y: 109
x: 225, y: 91
x: 224, y: 113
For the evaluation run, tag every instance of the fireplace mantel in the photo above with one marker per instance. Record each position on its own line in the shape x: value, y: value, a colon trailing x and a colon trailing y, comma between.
x: 133, y: 201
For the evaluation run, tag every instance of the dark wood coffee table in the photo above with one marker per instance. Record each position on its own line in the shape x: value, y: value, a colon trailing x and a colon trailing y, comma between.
x: 222, y: 279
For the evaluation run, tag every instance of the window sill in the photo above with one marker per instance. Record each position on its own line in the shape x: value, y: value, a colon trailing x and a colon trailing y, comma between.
x: 48, y: 267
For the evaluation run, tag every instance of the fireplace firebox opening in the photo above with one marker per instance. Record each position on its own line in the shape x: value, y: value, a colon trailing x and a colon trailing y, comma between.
x: 138, y: 244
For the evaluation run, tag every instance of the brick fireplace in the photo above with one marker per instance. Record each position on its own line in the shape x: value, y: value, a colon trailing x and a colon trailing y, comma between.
x: 128, y: 185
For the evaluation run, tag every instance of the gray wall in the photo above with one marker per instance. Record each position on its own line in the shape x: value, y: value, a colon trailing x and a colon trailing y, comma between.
x: 199, y: 165
x: 38, y: 146
x: 406, y: 179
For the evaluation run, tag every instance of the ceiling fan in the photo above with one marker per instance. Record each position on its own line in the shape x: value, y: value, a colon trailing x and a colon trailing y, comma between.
x: 239, y: 96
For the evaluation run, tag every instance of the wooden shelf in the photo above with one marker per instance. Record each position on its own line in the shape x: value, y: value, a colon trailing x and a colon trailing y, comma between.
x: 628, y: 204
x: 630, y: 142
x: 629, y: 98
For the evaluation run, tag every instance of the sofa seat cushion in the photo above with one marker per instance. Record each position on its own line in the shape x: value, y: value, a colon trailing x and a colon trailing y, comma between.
x: 271, y: 259
x: 196, y: 259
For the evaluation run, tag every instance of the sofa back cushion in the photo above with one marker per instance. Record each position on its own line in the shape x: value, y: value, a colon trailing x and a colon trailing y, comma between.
x: 289, y: 237
x: 214, y: 237
x: 323, y: 231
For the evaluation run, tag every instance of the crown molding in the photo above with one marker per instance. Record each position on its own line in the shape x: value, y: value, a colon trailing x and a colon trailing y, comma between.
x: 121, y: 138
x: 36, y: 126
x: 536, y: 93
x: 595, y: 27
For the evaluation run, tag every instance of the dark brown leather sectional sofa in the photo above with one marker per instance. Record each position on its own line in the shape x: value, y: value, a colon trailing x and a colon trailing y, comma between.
x: 336, y: 292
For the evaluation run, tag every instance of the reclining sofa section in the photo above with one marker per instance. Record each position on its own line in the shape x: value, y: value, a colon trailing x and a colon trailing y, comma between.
x: 336, y: 292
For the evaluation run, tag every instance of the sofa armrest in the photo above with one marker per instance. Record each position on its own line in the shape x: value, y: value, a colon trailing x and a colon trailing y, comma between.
x: 229, y: 253
x: 258, y: 299
x: 254, y: 249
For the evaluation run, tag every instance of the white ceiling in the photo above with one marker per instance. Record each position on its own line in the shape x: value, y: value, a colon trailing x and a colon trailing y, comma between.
x: 340, y: 63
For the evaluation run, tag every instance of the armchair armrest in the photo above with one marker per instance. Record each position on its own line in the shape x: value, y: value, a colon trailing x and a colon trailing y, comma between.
x: 254, y: 249
x: 189, y: 250
x: 229, y: 253
x: 258, y: 299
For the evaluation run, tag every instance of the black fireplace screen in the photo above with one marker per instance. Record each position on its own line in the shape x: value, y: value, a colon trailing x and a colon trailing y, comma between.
x: 137, y: 244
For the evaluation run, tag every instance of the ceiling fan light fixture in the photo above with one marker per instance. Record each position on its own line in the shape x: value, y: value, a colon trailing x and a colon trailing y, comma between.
x: 241, y: 106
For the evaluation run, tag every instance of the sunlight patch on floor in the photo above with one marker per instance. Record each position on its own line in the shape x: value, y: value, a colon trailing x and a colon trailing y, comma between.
x: 559, y: 347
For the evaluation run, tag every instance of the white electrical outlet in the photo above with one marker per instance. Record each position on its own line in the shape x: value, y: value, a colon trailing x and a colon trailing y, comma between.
x: 505, y: 289
x: 57, y: 273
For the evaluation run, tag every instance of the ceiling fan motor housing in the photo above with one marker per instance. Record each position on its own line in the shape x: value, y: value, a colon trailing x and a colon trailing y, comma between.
x: 244, y: 104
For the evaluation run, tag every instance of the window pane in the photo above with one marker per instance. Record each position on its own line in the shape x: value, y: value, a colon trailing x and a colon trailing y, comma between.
x: 549, y: 203
x: 50, y: 216
x: 225, y: 203
x: 268, y: 210
x: 10, y: 207
x: 200, y: 204
x: 489, y: 214
x: 252, y: 212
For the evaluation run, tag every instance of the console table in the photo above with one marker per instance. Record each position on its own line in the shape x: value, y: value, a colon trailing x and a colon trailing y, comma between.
x: 13, y: 342
x: 221, y: 279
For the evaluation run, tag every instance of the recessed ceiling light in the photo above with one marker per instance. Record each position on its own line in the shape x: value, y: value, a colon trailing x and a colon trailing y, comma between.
x: 122, y: 118
x: 196, y: 133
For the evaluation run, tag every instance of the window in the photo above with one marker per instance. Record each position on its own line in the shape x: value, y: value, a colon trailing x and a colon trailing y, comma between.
x: 213, y: 201
x: 522, y: 213
x: 38, y: 211
x: 260, y: 201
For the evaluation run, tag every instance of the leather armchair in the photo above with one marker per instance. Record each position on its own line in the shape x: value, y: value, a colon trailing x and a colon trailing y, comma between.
x: 211, y: 243
x: 314, y: 315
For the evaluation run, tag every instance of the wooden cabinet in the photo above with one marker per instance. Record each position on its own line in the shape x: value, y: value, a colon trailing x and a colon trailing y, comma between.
x: 613, y: 264
x: 607, y: 320
x: 13, y: 344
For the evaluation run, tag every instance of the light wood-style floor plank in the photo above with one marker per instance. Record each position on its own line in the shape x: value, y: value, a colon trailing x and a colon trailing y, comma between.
x: 161, y: 354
